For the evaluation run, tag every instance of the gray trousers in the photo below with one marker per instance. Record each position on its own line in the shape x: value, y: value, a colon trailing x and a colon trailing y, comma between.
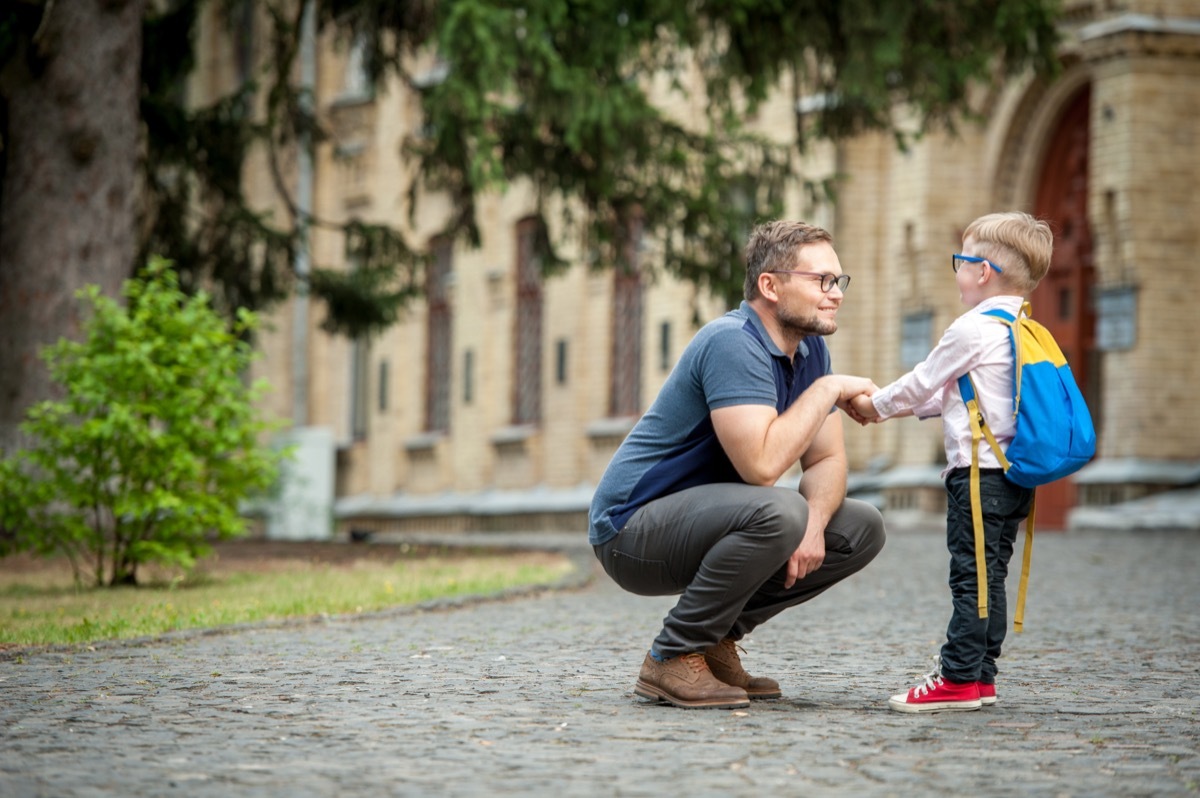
x: 724, y: 549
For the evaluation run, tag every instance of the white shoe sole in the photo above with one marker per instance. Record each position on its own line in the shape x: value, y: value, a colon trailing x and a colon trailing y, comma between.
x: 899, y: 703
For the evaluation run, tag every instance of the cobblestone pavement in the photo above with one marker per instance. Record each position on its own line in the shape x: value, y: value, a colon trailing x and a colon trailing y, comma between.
x: 532, y: 695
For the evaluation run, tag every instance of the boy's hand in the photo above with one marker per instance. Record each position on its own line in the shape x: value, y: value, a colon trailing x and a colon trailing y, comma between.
x: 862, y: 409
x: 852, y: 392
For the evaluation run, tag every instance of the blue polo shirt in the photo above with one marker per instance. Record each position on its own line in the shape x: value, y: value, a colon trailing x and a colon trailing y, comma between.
x: 731, y: 361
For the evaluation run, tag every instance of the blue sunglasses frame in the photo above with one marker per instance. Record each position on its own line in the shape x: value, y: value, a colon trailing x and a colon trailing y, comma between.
x: 958, y: 256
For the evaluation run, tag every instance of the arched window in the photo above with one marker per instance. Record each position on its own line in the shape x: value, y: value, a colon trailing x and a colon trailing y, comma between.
x: 438, y: 329
x: 527, y: 340
x: 626, y: 379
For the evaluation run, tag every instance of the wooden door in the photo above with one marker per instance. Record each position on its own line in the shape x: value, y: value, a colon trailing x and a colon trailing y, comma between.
x: 1063, y: 300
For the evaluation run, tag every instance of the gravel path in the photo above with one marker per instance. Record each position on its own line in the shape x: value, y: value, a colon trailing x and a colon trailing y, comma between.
x: 531, y: 695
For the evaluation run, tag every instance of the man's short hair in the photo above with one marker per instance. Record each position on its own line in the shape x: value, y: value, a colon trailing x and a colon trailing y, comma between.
x: 1019, y: 243
x: 773, y: 246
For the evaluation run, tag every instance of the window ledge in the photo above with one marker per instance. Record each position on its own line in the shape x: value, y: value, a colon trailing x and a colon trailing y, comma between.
x: 351, y: 100
x: 516, y: 433
x: 424, y: 441
x: 615, y: 426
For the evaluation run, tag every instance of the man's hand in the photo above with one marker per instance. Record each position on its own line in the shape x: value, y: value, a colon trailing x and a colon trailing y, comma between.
x: 849, y: 386
x: 807, y: 558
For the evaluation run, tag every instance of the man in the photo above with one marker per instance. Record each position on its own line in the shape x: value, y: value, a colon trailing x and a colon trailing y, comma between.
x: 688, y: 504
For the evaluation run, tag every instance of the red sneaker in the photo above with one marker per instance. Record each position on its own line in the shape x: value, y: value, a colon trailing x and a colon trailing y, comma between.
x: 987, y: 694
x: 936, y: 694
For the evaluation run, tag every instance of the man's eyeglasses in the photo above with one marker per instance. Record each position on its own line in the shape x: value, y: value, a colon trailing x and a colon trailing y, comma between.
x: 957, y: 260
x: 828, y: 281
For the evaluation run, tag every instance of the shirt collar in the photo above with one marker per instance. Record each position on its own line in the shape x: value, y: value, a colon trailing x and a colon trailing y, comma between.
x: 801, y: 350
x: 1009, y: 302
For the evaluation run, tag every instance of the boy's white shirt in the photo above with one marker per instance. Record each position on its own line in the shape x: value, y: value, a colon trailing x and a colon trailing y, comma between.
x: 974, y: 343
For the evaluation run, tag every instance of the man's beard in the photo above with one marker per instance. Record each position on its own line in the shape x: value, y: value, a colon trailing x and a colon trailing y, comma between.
x: 805, y: 325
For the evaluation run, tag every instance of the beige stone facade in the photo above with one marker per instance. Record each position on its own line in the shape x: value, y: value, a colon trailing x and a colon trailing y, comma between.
x: 1131, y: 70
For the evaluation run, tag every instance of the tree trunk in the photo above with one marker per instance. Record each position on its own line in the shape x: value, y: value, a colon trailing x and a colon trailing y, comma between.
x: 68, y: 205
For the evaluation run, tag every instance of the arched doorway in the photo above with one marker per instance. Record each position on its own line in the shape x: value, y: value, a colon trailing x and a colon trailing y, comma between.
x: 1063, y: 300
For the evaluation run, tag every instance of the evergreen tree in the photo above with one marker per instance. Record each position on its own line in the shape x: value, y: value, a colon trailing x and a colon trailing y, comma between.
x: 555, y: 92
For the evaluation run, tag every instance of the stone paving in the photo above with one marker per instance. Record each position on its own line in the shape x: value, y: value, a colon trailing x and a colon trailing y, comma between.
x: 532, y: 695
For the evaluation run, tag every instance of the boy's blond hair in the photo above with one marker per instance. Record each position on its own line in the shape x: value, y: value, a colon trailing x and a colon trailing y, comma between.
x: 1017, y: 242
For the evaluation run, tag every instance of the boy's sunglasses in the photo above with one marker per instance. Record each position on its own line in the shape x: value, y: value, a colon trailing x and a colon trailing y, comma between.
x: 957, y: 260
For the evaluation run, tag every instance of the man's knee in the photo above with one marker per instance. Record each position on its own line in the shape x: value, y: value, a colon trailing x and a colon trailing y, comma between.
x: 864, y: 528
x: 781, y: 520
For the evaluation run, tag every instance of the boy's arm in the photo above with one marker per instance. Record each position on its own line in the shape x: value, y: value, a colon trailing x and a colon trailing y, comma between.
x: 922, y: 388
x: 864, y: 407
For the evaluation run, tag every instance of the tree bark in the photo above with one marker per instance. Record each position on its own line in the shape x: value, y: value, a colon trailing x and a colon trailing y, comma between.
x: 68, y: 205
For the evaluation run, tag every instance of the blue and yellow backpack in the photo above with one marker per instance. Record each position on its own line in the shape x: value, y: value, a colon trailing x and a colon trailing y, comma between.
x: 1054, y: 434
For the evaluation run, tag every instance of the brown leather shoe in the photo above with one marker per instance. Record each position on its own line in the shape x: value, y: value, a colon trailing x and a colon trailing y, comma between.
x: 685, y: 681
x: 726, y: 665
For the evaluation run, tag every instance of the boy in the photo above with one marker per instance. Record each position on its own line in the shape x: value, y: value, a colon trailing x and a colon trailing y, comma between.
x: 1004, y: 256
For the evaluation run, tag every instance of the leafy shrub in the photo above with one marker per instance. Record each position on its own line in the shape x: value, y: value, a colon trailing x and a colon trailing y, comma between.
x: 154, y: 444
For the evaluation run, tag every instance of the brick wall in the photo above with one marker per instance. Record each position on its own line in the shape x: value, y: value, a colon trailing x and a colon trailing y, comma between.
x: 898, y: 217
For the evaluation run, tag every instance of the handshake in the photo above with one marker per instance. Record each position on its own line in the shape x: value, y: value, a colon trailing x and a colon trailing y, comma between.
x: 854, y: 397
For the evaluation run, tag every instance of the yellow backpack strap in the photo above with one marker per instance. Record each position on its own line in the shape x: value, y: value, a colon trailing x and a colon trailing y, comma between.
x: 1019, y: 617
x: 977, y: 506
x: 980, y: 429
x: 991, y: 439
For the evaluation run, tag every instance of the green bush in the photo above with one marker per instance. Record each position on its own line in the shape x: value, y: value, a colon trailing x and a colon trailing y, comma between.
x: 154, y: 445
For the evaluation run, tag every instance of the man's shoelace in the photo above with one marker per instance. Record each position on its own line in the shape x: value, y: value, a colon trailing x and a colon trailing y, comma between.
x: 728, y: 652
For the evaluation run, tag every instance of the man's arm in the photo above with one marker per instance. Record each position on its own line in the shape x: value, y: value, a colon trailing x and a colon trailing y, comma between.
x: 763, y: 444
x: 823, y: 485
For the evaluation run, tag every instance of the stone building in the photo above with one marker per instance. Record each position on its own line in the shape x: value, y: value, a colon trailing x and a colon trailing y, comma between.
x: 497, y: 401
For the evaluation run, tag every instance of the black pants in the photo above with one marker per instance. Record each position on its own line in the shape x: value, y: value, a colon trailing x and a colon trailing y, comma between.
x: 724, y: 548
x: 973, y: 643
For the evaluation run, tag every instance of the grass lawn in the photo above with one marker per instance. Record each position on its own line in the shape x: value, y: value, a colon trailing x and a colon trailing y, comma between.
x: 249, y: 581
